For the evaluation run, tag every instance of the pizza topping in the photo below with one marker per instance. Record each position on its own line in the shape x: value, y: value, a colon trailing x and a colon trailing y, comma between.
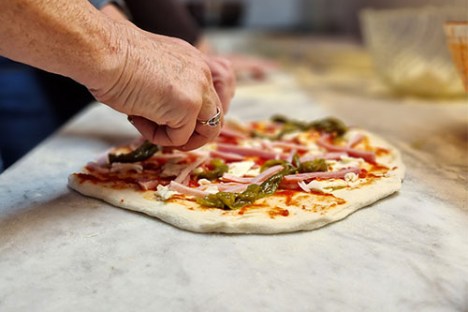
x: 229, y: 201
x: 330, y: 125
x: 311, y: 160
x: 95, y: 167
x: 320, y: 175
x: 147, y: 185
x: 324, y: 142
x: 232, y: 187
x: 143, y: 152
x: 185, y: 173
x: 164, y: 193
x: 323, y: 186
x: 289, y: 146
x: 351, y: 177
x: 355, y: 140
x: 126, y: 167
x: 326, y: 125
x: 241, y: 168
x: 186, y: 190
x: 345, y: 162
x: 265, y: 175
x: 226, y: 156
x: 246, y: 151
x: 235, y: 178
x: 296, y: 166
x: 215, y: 170
x: 326, y: 156
x: 232, y: 133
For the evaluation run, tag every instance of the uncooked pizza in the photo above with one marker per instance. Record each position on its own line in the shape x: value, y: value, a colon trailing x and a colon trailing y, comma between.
x: 271, y: 176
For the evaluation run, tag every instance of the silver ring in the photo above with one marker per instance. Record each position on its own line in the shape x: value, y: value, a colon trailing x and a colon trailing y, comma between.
x: 213, y: 121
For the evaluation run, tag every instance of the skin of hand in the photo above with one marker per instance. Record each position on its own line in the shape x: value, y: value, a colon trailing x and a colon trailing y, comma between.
x: 165, y: 82
x: 223, y: 78
x: 167, y: 91
x: 113, y: 12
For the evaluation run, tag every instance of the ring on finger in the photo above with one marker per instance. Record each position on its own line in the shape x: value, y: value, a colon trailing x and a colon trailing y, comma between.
x: 213, y: 121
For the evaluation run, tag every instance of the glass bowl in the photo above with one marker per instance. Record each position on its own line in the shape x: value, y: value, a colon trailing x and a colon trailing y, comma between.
x: 409, y: 49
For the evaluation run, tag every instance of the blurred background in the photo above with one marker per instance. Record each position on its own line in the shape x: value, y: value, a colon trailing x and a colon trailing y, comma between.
x: 320, y: 16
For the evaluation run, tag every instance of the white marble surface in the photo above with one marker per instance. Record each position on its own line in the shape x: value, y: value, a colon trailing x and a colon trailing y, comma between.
x: 60, y: 251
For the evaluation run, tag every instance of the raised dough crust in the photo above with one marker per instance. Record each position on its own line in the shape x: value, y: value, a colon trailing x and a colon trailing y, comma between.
x: 310, y: 215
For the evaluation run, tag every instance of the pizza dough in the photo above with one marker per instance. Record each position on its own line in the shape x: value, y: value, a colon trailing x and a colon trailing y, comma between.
x: 286, y: 211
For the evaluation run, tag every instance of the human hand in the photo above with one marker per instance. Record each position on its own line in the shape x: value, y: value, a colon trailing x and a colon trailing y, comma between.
x: 166, y: 85
x: 224, y: 79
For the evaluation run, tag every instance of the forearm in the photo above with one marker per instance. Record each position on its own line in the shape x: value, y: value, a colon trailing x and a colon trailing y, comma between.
x: 69, y: 38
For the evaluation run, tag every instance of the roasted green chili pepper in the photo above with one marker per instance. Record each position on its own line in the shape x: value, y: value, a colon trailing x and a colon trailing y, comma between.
x: 230, y: 201
x: 296, y: 166
x: 329, y: 125
x: 219, y: 168
x: 273, y: 162
x: 143, y: 152
x: 315, y: 165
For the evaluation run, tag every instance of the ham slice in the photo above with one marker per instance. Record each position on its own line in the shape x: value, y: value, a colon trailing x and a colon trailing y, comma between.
x: 327, y: 156
x: 148, y: 184
x: 96, y: 167
x: 232, y: 187
x: 183, y: 189
x: 255, y: 180
x: 182, y: 177
x: 230, y: 133
x: 126, y: 167
x: 234, y: 178
x: 289, y: 146
x: 320, y: 175
x: 290, y: 157
x: 226, y: 156
x: 246, y: 151
x: 355, y: 140
x: 303, y: 186
x: 265, y: 175
x: 324, y: 142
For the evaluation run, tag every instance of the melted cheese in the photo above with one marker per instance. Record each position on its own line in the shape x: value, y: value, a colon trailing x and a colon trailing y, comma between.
x: 240, y: 168
x: 164, y: 193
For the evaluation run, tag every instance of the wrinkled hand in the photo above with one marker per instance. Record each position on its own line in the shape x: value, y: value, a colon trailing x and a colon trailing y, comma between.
x: 166, y: 85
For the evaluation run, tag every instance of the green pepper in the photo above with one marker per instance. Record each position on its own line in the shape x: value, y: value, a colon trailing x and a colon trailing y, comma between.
x: 273, y: 162
x: 143, y: 152
x: 231, y: 201
x: 329, y: 125
x: 296, y: 161
x: 219, y: 168
x: 315, y: 165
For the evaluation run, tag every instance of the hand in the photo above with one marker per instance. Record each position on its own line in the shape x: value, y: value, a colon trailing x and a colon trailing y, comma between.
x: 224, y: 79
x: 166, y: 85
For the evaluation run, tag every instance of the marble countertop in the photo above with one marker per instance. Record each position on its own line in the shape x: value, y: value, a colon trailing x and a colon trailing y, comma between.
x: 60, y: 251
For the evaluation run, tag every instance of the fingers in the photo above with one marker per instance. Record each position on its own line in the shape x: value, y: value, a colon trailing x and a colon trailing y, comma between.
x: 162, y: 134
x: 224, y: 80
x: 201, y: 136
x: 184, y: 138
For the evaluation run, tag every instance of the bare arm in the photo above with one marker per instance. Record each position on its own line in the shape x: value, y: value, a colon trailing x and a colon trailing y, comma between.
x: 164, y: 81
x: 70, y: 38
